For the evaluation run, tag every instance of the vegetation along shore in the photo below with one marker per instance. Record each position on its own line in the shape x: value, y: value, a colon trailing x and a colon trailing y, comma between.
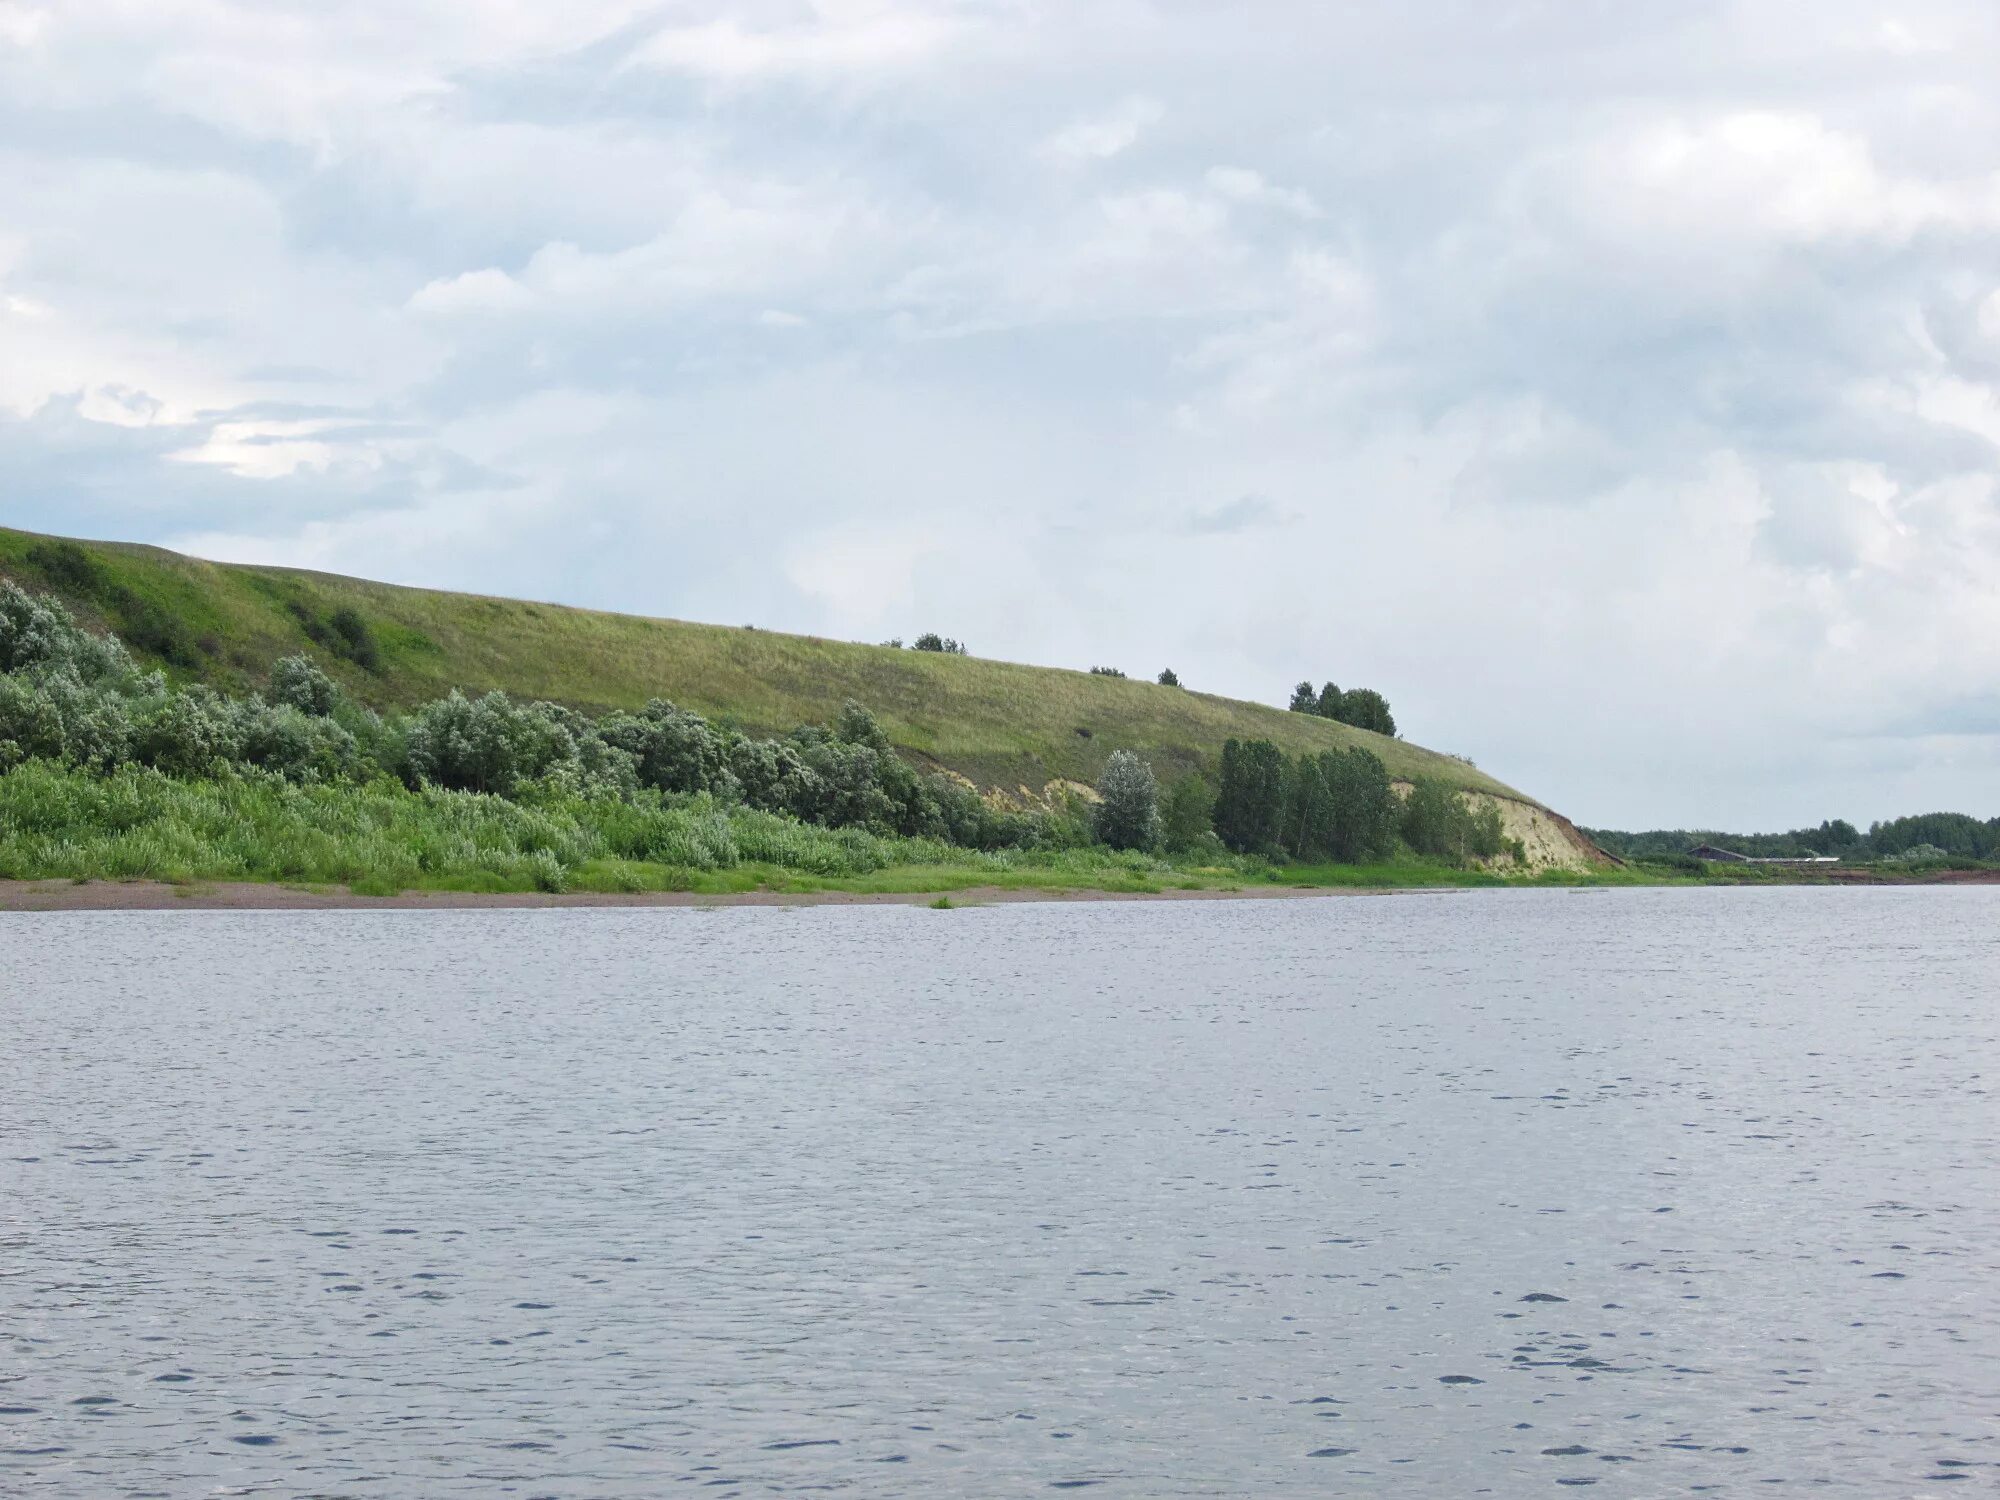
x: 169, y: 721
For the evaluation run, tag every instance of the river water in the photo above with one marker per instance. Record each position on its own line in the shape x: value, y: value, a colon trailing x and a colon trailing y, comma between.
x: 1496, y: 1193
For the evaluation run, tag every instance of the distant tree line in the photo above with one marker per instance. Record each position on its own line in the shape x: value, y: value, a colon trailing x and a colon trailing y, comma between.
x: 1956, y: 835
x: 1364, y: 708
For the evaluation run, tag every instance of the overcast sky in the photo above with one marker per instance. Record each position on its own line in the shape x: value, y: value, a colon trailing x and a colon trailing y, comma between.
x: 1616, y: 387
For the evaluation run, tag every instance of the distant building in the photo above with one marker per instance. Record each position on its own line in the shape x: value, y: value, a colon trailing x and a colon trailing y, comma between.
x: 1731, y: 857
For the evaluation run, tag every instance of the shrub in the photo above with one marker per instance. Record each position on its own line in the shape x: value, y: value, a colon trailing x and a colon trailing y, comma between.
x: 191, y: 733
x: 1168, y: 678
x: 292, y: 743
x: 486, y: 745
x: 930, y: 640
x: 67, y: 566
x: 353, y: 639
x: 38, y: 635
x: 673, y: 749
x: 1128, y: 808
x: 1105, y: 672
x: 297, y: 682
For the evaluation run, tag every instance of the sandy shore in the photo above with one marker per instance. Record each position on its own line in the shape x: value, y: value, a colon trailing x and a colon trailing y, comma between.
x: 145, y: 895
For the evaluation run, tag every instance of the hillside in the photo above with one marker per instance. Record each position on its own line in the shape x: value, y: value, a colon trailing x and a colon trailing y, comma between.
x: 1003, y: 725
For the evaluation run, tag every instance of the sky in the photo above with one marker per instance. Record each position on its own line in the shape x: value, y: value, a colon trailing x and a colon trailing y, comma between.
x: 1615, y: 387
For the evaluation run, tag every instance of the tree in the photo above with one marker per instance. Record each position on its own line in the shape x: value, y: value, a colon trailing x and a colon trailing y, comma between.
x: 1437, y: 820
x: 1365, y: 708
x: 1308, y: 811
x: 1328, y: 704
x: 1128, y: 808
x: 1250, y: 803
x: 1304, y: 701
x: 1186, y: 814
x: 1362, y: 821
x: 930, y: 640
x: 1105, y: 672
x: 1168, y: 678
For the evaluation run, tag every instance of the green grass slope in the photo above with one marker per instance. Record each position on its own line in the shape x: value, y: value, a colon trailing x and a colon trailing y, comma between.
x: 1001, y: 724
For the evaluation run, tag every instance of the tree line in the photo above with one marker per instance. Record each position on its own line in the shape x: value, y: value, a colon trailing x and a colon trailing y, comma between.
x: 1954, y: 835
x: 1363, y: 708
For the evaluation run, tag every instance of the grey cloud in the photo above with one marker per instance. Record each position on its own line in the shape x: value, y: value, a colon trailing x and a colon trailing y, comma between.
x: 1528, y: 326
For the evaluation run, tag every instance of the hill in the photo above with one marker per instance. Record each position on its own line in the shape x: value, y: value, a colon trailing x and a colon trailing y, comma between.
x: 1003, y: 725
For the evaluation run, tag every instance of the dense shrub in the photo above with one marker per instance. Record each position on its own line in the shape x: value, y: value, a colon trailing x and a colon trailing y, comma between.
x: 38, y: 636
x: 490, y: 744
x: 298, y: 682
x: 930, y: 640
x: 1168, y: 678
x: 672, y: 749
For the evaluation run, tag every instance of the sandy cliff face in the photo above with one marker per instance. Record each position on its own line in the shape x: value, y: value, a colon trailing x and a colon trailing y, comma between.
x: 1552, y: 842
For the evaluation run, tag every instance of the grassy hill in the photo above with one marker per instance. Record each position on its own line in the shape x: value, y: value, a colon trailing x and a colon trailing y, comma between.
x: 1001, y: 724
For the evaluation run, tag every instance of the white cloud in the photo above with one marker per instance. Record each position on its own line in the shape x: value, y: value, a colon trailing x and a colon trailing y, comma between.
x: 1100, y: 137
x: 1031, y: 322
x: 837, y: 37
x: 1241, y: 185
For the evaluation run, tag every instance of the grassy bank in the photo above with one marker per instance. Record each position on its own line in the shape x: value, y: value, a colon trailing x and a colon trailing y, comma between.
x: 58, y: 823
x: 1000, y: 724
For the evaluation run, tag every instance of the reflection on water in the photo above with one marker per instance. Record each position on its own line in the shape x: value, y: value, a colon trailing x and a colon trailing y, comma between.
x: 1497, y: 1193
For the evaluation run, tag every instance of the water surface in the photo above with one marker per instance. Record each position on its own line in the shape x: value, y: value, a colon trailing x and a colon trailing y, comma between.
x: 1495, y: 1193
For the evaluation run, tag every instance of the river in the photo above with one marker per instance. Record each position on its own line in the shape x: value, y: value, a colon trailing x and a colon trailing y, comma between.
x: 1505, y: 1192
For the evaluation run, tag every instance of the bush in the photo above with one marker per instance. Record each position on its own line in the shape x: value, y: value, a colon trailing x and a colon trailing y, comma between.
x: 1168, y: 678
x: 930, y: 640
x: 297, y: 682
x: 192, y: 733
x: 1105, y: 672
x: 488, y: 745
x: 292, y: 743
x: 1128, y: 808
x: 672, y: 749
x: 37, y: 635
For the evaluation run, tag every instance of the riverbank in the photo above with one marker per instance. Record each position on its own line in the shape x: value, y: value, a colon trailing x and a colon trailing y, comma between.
x: 227, y: 895
x: 155, y: 895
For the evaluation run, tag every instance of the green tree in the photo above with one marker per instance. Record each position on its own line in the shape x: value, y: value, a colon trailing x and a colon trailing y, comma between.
x: 1365, y: 708
x: 1250, y: 804
x: 1308, y: 821
x: 1187, y: 814
x: 1303, y: 699
x: 1168, y: 678
x: 1128, y: 808
x: 1362, y: 823
x: 1328, y: 704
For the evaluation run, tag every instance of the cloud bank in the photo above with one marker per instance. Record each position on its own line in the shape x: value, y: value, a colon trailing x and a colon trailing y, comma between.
x: 1618, y: 391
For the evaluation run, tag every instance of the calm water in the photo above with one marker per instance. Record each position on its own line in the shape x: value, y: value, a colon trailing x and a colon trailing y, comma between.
x: 1496, y: 1193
